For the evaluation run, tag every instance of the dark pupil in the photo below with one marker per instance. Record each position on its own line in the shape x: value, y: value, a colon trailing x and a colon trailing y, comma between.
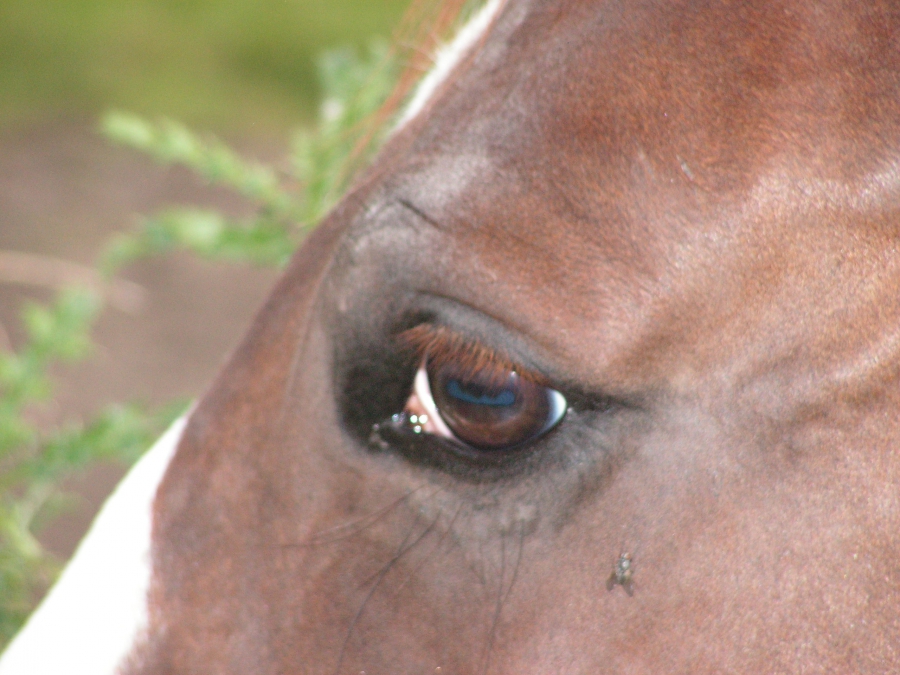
x: 489, y: 411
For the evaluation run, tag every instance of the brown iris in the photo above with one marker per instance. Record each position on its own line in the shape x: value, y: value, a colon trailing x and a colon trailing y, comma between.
x: 492, y: 410
x: 467, y: 392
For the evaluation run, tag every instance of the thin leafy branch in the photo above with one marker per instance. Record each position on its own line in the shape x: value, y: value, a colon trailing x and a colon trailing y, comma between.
x: 287, y: 203
x: 35, y: 459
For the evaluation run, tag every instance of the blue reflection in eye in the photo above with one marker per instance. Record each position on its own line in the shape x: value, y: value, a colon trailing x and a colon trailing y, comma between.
x: 479, y: 396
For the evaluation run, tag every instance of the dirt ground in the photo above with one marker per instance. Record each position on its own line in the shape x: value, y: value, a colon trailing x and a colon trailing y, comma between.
x: 63, y: 191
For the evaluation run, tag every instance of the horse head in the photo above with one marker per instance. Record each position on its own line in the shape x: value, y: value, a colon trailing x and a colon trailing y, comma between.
x: 594, y: 370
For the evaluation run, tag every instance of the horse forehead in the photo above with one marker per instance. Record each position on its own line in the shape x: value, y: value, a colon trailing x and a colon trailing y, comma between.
x: 580, y: 91
x: 602, y: 158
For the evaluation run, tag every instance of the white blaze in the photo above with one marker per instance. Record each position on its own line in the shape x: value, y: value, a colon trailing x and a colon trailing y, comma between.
x: 88, y: 622
x: 449, y: 56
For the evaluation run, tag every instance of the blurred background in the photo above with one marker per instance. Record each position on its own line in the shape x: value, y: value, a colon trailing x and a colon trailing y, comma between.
x: 241, y: 69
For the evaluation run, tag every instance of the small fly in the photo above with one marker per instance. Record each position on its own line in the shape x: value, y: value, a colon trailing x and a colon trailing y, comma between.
x: 622, y: 574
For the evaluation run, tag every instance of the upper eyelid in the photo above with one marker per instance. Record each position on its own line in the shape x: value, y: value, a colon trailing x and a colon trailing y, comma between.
x: 442, y: 345
x: 433, y: 337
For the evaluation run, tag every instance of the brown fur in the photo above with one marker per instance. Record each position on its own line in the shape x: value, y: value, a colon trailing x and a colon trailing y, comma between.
x: 691, y: 206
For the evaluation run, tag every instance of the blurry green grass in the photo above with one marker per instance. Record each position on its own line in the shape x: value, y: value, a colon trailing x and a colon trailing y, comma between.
x: 233, y: 66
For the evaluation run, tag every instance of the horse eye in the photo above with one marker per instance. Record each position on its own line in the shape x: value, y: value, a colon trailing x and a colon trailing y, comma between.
x: 488, y: 411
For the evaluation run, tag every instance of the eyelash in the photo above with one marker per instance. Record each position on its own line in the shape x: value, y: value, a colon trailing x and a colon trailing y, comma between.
x: 442, y: 345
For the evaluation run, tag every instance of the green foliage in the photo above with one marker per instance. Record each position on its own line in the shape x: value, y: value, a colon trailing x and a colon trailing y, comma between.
x: 35, y: 459
x: 323, y: 159
x: 172, y: 143
x: 287, y: 203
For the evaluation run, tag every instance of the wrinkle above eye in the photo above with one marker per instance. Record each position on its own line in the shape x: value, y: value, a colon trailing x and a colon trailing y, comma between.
x: 409, y: 206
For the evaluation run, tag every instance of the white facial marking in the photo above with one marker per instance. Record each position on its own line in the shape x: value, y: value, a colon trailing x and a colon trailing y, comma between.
x: 449, y: 56
x: 88, y: 622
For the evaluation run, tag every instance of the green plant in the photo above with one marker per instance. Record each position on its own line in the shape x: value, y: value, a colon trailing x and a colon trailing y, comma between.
x: 35, y: 459
x: 288, y: 203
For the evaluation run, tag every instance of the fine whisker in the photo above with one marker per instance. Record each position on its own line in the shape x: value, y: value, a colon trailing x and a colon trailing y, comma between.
x: 354, y: 527
x: 404, y: 548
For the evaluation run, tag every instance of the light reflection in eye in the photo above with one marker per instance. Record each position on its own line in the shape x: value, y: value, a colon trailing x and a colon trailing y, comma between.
x: 421, y: 406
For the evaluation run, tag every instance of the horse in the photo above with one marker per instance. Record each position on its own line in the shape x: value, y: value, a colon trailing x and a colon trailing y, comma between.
x: 594, y: 370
